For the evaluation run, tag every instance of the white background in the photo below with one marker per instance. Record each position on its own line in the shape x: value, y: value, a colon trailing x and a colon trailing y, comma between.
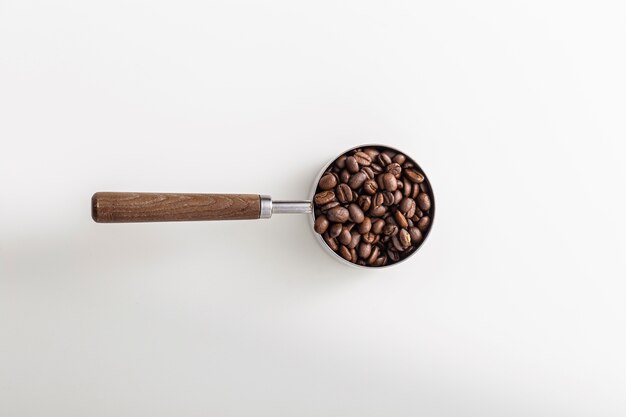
x: 515, y: 306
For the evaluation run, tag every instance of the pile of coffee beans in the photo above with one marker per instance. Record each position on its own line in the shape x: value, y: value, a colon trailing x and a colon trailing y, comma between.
x: 373, y: 206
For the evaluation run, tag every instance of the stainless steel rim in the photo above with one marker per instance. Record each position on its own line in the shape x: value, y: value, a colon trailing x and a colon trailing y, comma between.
x: 319, y: 237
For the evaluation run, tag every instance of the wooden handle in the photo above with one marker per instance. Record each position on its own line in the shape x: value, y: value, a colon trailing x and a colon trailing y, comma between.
x: 162, y: 207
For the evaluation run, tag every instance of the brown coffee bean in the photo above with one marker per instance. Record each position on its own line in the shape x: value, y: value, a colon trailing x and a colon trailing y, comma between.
x: 369, y: 237
x: 423, y: 223
x: 328, y: 206
x: 400, y: 219
x: 406, y: 189
x: 393, y: 255
x: 373, y: 255
x: 372, y: 152
x: 390, y: 230
x: 405, y: 238
x: 369, y: 172
x: 352, y: 165
x: 357, y: 180
x: 416, y: 235
x: 388, y: 198
x: 363, y: 159
x: 413, y: 175
x: 377, y: 226
x: 328, y: 181
x: 381, y: 261
x: 345, y: 253
x: 395, y: 169
x: 356, y: 214
x: 324, y: 197
x: 365, y: 250
x: 389, y: 182
x: 397, y: 197
x: 423, y: 187
x: 405, y: 204
x: 399, y: 159
x: 344, y: 193
x: 365, y: 226
x: 356, y: 238
x: 341, y: 162
x: 353, y: 255
x: 383, y: 159
x: 364, y: 201
x: 338, y: 214
x: 370, y: 187
x: 331, y: 242
x: 345, y: 236
x: 321, y: 224
x: 376, y: 168
x: 415, y: 191
x: 335, y: 230
x: 378, y: 200
x: 378, y: 211
x: 423, y: 201
x: 344, y: 176
x: 395, y: 241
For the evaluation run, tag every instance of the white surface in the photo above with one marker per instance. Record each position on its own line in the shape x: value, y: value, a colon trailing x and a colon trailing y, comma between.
x: 514, y: 307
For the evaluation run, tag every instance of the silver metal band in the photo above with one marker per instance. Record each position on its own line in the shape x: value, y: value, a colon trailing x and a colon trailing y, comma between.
x: 291, y: 207
x: 266, y: 207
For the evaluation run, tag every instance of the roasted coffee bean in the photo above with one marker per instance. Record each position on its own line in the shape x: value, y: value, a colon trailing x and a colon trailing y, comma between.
x: 376, y: 168
x: 397, y: 197
x: 356, y: 214
x: 321, y: 224
x: 365, y: 250
x: 324, y: 197
x: 352, y: 165
x: 388, y: 198
x: 335, y: 230
x: 345, y: 236
x: 365, y: 202
x: 399, y: 159
x: 416, y: 234
x: 357, y: 180
x: 356, y: 238
x: 369, y: 237
x: 413, y: 175
x: 338, y: 214
x: 395, y: 170
x: 423, y: 201
x: 389, y: 182
x: 378, y: 200
x: 393, y: 255
x: 396, y: 243
x: 377, y: 226
x: 369, y: 172
x: 370, y: 187
x: 390, y: 230
x: 377, y: 211
x: 423, y: 223
x: 345, y: 253
x: 383, y: 159
x: 363, y: 159
x: 373, y: 206
x: 328, y: 181
x: 406, y: 189
x: 328, y: 206
x: 365, y: 226
x: 405, y: 238
x: 331, y: 242
x: 373, y: 255
x: 344, y: 193
x: 372, y: 152
x: 405, y: 205
x: 400, y: 219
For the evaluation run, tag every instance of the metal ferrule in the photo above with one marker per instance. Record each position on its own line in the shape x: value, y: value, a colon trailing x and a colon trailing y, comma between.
x: 269, y: 207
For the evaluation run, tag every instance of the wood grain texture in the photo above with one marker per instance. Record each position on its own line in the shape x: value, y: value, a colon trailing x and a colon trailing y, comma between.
x: 108, y: 207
